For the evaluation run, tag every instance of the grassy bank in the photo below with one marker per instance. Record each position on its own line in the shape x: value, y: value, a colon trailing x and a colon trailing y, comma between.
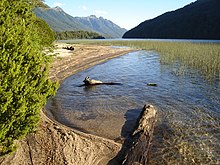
x: 205, y: 57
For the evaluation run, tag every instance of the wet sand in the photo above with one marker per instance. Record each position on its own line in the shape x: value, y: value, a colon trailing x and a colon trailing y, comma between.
x: 67, y: 62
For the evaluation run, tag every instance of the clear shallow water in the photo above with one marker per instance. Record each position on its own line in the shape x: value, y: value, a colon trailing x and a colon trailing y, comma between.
x: 188, y: 127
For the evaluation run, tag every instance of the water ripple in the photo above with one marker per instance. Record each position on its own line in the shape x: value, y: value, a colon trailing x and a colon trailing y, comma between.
x: 188, y: 127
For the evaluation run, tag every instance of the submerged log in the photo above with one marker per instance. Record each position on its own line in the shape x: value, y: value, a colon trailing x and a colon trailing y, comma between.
x: 142, y: 137
x: 90, y: 82
x: 152, y: 84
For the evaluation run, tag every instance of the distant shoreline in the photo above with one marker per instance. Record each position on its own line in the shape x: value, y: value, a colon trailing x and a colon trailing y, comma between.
x: 145, y: 39
x: 83, y: 57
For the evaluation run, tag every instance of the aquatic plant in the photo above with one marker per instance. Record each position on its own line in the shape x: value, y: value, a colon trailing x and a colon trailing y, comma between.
x: 189, y: 137
x: 205, y: 57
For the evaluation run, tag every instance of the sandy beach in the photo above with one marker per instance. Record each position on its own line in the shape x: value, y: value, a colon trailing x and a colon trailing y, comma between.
x: 68, y: 62
x: 54, y: 143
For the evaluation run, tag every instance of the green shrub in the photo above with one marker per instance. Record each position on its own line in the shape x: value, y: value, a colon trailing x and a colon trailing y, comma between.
x: 24, y: 86
x: 45, y: 35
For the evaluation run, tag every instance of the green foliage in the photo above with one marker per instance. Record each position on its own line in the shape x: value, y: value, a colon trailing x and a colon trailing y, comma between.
x: 24, y: 86
x: 45, y: 35
x: 77, y: 35
x: 39, y: 3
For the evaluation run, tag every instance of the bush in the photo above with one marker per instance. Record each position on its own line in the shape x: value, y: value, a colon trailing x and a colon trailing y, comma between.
x: 24, y: 86
x: 45, y: 35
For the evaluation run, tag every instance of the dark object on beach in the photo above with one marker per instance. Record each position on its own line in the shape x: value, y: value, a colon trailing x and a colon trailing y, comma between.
x: 90, y: 82
x: 69, y: 48
x: 152, y: 84
x: 141, y: 137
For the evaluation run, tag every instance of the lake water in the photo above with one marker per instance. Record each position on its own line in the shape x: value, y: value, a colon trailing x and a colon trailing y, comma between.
x: 188, y: 127
x: 162, y: 40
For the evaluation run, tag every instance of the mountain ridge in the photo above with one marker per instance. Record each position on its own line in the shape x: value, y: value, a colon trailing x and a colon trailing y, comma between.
x: 60, y: 21
x: 197, y: 20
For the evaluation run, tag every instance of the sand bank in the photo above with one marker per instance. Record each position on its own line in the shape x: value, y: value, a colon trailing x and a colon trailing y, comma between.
x: 54, y: 143
x: 84, y: 56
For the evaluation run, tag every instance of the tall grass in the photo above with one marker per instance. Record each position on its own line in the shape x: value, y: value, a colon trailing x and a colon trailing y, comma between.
x: 205, y: 57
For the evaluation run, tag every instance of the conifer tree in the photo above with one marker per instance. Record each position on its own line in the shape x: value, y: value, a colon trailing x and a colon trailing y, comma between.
x: 24, y: 84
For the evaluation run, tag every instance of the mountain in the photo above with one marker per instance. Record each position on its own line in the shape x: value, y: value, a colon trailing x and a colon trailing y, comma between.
x: 60, y: 21
x: 198, y: 20
x: 102, y: 26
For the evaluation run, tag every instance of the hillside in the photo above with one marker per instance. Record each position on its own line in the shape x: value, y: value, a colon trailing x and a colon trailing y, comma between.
x: 60, y: 21
x: 198, y: 20
x: 102, y: 26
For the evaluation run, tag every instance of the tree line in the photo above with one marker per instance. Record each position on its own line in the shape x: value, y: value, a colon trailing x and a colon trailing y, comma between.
x: 77, y: 35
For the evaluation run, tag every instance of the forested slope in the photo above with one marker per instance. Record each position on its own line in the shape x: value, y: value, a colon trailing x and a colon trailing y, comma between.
x: 198, y: 20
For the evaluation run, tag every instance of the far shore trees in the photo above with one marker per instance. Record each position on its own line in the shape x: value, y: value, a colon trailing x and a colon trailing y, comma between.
x: 68, y: 35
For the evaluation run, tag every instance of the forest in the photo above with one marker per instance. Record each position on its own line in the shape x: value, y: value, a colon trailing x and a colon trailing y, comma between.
x: 67, y: 35
x: 198, y: 20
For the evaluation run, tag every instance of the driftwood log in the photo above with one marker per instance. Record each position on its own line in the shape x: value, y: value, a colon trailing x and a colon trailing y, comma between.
x: 89, y: 82
x: 69, y: 48
x: 141, y: 138
x: 152, y: 84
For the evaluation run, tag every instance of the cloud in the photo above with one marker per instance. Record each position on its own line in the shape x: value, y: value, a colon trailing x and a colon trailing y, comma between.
x: 102, y: 12
x: 58, y: 4
x: 83, y: 8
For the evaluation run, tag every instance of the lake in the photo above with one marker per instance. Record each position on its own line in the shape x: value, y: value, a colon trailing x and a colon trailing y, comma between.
x: 188, y: 127
x: 162, y: 40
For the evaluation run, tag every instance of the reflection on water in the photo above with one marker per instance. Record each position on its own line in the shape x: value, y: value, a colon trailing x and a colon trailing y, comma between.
x: 188, y: 127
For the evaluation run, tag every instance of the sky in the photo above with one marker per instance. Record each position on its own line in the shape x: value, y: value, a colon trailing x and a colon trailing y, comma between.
x: 125, y: 13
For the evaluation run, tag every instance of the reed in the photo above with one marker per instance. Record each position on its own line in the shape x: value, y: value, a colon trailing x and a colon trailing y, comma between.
x: 194, y: 141
x: 205, y: 57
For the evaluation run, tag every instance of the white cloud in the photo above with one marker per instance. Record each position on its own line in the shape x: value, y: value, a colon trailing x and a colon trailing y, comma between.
x: 58, y: 4
x: 83, y: 8
x: 102, y: 12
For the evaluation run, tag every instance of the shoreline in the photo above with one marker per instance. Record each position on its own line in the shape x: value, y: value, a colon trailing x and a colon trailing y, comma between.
x: 55, y: 143
x: 68, y: 64
x: 83, y: 57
